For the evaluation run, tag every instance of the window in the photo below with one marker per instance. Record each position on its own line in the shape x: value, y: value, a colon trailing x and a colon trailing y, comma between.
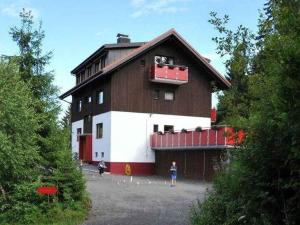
x: 78, y: 133
x: 89, y: 71
x: 102, y: 154
x: 143, y: 62
x: 100, y: 97
x: 82, y: 76
x: 155, y: 128
x: 156, y: 94
x: 78, y: 79
x: 96, y: 67
x: 169, y: 95
x: 96, y: 154
x: 159, y: 59
x: 102, y: 62
x: 88, y: 99
x: 79, y: 105
x: 168, y: 128
x: 99, y: 130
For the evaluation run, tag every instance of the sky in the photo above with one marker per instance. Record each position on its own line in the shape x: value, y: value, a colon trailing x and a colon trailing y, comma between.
x: 75, y: 29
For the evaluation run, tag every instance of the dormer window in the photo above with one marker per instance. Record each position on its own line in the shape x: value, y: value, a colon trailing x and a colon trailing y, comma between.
x: 96, y: 67
x: 159, y: 59
x: 82, y: 76
x: 89, y: 71
x: 102, y: 62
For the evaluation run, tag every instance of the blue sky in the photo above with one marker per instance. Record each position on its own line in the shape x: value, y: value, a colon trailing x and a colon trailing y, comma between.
x: 75, y: 29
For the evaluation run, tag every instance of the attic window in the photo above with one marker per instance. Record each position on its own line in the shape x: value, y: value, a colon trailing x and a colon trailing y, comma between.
x: 159, y: 59
x: 89, y: 71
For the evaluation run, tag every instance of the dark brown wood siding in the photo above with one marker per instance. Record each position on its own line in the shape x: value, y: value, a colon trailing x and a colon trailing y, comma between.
x: 92, y: 108
x: 193, y: 164
x: 133, y: 92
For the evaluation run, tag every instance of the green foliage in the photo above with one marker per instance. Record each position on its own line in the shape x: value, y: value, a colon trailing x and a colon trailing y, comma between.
x: 262, y: 185
x: 34, y: 147
x: 17, y: 130
x: 237, y: 48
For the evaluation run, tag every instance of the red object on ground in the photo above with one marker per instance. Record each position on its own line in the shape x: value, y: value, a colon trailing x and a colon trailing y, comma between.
x: 213, y: 115
x: 47, y: 190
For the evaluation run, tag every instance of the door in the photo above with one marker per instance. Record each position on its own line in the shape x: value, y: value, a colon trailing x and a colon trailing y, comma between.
x: 85, y: 148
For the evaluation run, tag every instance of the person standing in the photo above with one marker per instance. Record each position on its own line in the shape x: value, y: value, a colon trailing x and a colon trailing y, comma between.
x: 173, y: 171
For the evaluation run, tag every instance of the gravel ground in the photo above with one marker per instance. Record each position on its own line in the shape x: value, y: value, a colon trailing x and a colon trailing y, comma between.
x: 116, y: 200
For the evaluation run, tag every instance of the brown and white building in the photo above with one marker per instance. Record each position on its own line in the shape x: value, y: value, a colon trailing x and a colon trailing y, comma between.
x: 127, y: 91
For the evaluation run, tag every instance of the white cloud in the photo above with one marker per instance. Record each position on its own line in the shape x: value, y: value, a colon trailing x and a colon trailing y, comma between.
x: 14, y: 9
x: 146, y: 7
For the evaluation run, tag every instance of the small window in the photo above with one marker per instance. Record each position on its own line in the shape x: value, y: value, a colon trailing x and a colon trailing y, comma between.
x: 156, y: 94
x: 102, y: 154
x: 100, y: 97
x: 96, y: 67
x: 82, y: 76
x: 78, y: 133
x: 102, y: 62
x: 159, y: 59
x: 96, y: 154
x: 169, y: 95
x: 168, y: 128
x: 143, y: 62
x: 89, y: 71
x: 99, y: 129
x: 88, y: 99
x: 155, y: 128
x: 78, y: 79
x: 79, y: 105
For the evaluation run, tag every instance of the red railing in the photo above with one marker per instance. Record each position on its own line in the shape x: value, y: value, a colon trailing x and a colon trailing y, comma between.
x: 169, y: 74
x: 221, y: 137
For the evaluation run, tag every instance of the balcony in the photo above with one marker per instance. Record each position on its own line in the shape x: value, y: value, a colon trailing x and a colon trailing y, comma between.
x: 220, y: 137
x: 171, y: 74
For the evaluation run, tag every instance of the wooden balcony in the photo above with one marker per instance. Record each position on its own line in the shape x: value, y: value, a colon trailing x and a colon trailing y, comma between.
x: 221, y: 137
x: 171, y: 74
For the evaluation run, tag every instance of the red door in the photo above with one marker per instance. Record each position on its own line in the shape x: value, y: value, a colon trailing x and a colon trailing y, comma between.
x: 85, y: 148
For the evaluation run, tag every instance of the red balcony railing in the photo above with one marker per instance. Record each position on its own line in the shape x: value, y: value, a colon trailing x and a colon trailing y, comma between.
x: 172, y: 74
x: 221, y: 137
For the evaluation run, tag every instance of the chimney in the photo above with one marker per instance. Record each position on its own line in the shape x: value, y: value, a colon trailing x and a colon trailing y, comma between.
x: 122, y: 38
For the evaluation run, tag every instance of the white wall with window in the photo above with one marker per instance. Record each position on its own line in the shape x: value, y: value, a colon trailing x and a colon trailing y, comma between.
x: 130, y: 133
x: 75, y: 143
x: 102, y: 136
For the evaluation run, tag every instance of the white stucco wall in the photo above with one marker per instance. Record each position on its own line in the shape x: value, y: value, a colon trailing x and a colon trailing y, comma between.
x: 126, y: 135
x: 102, y: 144
x: 75, y: 143
x: 130, y: 133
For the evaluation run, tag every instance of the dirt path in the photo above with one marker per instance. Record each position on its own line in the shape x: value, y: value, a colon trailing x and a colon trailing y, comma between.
x: 144, y: 201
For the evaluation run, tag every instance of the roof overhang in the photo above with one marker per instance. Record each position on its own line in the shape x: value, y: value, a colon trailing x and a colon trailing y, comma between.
x: 223, y: 83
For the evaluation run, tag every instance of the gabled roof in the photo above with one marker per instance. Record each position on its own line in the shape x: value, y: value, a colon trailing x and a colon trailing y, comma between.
x: 223, y: 83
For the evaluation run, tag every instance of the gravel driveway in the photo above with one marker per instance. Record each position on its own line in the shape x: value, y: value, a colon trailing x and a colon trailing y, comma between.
x: 117, y: 200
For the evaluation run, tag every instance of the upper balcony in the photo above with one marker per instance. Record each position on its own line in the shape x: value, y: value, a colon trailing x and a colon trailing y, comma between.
x: 170, y: 74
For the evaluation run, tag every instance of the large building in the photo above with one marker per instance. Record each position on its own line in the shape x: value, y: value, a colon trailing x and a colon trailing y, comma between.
x: 127, y: 91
